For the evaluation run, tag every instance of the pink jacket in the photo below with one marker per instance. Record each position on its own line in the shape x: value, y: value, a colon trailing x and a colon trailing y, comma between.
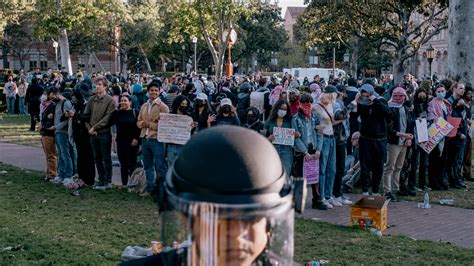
x: 435, y: 110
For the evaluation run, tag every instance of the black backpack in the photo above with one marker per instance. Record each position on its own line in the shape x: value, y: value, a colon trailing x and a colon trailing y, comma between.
x: 243, y: 102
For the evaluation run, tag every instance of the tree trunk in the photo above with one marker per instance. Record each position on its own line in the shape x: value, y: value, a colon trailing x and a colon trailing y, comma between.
x: 353, y: 63
x: 64, y: 47
x: 124, y: 61
x: 398, y: 68
x: 460, y: 40
x: 147, y: 63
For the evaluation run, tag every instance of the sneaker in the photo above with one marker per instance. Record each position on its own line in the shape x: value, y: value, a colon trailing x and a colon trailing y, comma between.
x: 343, y: 201
x: 144, y: 194
x: 98, y: 186
x: 76, y: 193
x: 67, y: 181
x: 391, y: 197
x: 376, y: 194
x: 334, y: 202
x: 328, y: 204
x: 319, y: 206
x: 57, y: 180
x: 107, y: 186
x: 365, y: 193
x: 411, y: 192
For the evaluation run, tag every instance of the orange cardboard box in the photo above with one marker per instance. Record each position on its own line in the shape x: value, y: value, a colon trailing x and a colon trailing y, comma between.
x: 370, y: 212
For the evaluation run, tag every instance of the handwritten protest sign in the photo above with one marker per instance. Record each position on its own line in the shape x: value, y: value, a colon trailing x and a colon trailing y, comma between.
x: 422, y: 130
x: 436, y: 132
x: 311, y: 171
x: 284, y: 136
x: 174, y: 128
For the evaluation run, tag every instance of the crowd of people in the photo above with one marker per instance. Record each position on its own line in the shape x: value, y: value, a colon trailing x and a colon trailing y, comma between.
x: 361, y: 133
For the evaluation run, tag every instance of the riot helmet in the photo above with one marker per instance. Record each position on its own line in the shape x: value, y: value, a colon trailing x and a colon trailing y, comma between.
x: 227, y: 201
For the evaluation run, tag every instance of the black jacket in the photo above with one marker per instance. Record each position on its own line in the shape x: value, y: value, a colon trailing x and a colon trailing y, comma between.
x: 374, y: 119
x: 394, y: 124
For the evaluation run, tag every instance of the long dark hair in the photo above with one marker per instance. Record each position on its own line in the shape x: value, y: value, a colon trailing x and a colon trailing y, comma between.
x: 177, y: 103
x: 276, y: 107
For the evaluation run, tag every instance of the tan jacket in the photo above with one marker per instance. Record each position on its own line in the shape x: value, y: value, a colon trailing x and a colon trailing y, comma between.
x: 152, y: 116
x: 99, y: 110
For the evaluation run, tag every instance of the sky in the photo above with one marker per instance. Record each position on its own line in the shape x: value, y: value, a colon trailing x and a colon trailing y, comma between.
x: 285, y: 3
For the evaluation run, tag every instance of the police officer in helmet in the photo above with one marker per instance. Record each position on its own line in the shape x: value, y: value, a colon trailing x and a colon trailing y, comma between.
x: 227, y: 201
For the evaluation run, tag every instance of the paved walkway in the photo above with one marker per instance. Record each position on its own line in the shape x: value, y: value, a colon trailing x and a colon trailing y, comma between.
x: 440, y: 223
x: 33, y: 158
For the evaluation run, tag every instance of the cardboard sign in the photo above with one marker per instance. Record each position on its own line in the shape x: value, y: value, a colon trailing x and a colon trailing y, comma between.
x: 436, y: 132
x: 284, y: 136
x: 422, y: 130
x: 454, y: 121
x: 311, y: 171
x: 173, y: 128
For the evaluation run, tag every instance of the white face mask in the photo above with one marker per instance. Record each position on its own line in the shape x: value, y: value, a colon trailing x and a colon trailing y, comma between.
x: 281, y: 113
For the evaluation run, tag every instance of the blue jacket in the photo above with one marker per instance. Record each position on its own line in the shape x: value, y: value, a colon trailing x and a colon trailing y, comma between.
x: 299, y: 123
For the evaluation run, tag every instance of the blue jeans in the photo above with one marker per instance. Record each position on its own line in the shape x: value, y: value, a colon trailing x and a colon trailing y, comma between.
x: 11, y: 105
x: 172, y: 152
x: 64, y: 155
x: 22, y: 106
x: 327, y: 167
x: 153, y: 160
x: 286, y: 156
x: 459, y: 162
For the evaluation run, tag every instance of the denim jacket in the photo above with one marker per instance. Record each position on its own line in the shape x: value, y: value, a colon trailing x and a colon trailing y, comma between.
x: 299, y: 123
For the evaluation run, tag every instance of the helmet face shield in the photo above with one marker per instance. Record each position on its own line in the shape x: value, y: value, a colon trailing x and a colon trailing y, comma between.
x: 228, y: 234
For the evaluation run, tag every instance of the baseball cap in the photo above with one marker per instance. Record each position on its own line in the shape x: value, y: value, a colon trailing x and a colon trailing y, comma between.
x: 226, y: 101
x: 201, y: 96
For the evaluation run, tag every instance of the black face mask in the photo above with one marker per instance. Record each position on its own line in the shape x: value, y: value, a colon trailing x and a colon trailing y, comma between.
x: 183, y: 109
x: 251, y: 118
x: 226, y: 109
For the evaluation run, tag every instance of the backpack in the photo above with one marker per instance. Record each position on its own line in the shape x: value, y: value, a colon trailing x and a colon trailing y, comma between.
x: 257, y: 100
x: 137, y: 181
x: 243, y: 102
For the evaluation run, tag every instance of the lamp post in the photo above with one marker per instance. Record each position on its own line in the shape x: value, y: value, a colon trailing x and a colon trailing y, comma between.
x: 56, y: 45
x: 195, y: 40
x: 430, y: 54
x: 229, y: 36
x: 182, y: 57
x: 346, y: 58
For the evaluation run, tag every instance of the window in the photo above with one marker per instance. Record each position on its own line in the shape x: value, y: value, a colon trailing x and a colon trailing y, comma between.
x: 33, y: 65
x: 44, y: 65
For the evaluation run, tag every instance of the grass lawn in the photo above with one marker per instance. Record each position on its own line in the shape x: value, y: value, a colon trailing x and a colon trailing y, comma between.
x: 42, y: 224
x: 463, y: 198
x: 15, y: 129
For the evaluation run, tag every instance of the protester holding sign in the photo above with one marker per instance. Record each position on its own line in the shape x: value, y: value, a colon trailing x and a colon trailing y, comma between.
x: 153, y: 150
x: 280, y: 117
x: 438, y: 108
x: 455, y: 148
x: 419, y: 156
x: 308, y: 145
x: 180, y: 107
